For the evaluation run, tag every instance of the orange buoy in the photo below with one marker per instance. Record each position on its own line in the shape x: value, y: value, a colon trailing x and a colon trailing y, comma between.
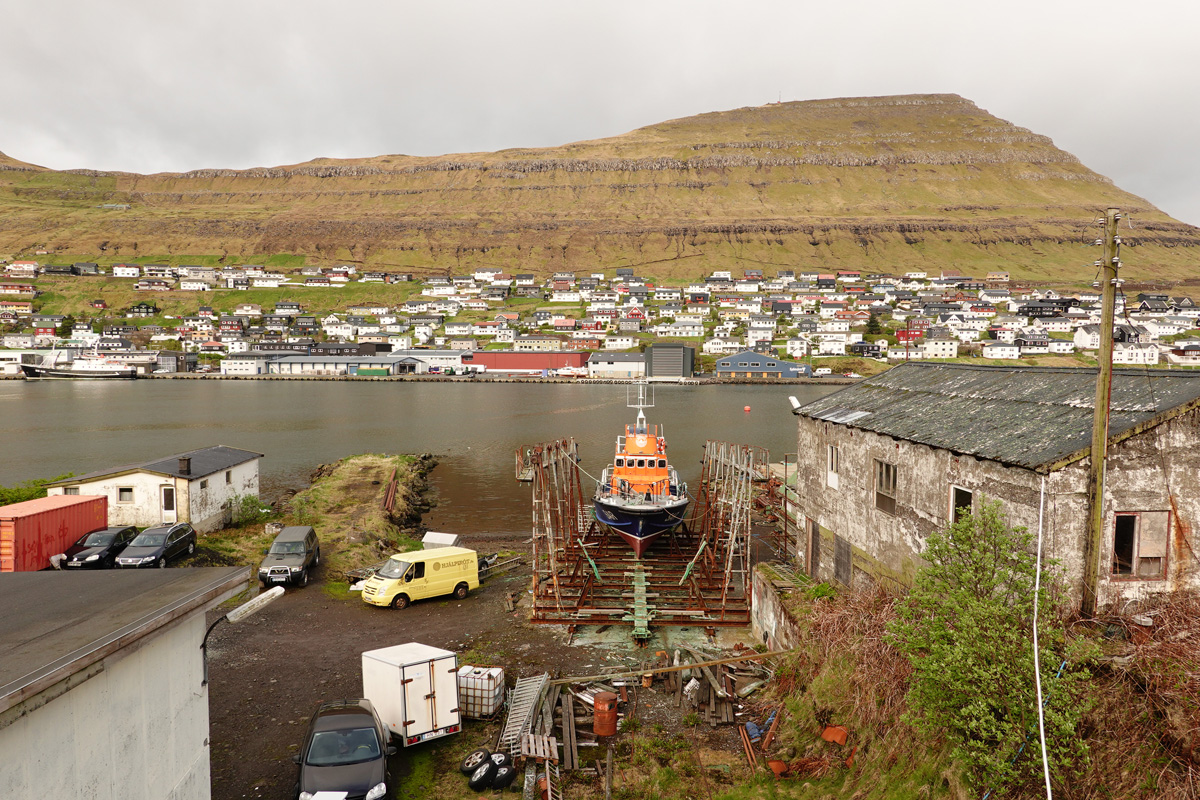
x: 745, y: 408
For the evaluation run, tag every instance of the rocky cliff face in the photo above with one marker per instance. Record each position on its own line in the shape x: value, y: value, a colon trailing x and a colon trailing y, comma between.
x: 887, y: 183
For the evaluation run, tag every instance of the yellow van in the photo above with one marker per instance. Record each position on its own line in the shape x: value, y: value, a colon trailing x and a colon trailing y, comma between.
x: 423, y: 573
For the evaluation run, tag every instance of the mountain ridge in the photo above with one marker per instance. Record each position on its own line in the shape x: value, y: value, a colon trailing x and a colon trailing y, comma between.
x: 890, y: 183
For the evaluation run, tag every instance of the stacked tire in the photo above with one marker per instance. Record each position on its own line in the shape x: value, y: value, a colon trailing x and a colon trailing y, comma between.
x: 487, y: 770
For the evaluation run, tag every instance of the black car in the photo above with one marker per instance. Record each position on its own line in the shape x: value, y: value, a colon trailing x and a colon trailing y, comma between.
x: 98, y: 549
x: 154, y: 547
x: 345, y: 750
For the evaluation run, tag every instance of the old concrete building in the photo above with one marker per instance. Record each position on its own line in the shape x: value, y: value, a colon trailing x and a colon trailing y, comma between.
x: 195, y: 487
x: 102, y: 691
x: 884, y: 463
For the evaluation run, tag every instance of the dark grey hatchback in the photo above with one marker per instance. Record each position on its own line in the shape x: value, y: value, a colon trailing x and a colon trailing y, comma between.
x: 153, y: 547
x: 98, y: 549
x: 345, y: 751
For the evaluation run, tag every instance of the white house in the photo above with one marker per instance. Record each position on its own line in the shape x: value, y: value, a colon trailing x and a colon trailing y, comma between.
x: 196, y: 487
x: 1001, y: 350
x: 1134, y: 353
x: 126, y: 271
x: 939, y: 348
x: 619, y: 343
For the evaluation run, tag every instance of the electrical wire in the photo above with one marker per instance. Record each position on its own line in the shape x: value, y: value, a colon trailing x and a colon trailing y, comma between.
x: 1037, y: 660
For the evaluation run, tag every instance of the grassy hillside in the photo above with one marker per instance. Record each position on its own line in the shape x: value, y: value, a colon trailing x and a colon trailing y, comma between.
x: 889, y: 183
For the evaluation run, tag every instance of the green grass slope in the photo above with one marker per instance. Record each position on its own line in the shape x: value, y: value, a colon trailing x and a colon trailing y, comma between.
x: 886, y: 183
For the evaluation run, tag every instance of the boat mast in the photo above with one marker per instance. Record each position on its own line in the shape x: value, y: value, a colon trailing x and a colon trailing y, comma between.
x: 1092, y: 547
x: 640, y: 405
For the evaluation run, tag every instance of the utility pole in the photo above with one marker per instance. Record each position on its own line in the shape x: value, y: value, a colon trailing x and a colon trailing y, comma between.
x: 1108, y: 281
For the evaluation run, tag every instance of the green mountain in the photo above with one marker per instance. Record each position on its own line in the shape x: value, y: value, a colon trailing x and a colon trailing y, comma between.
x: 891, y: 184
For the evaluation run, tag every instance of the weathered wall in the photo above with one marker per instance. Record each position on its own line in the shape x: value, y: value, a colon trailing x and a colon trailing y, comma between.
x: 887, y: 546
x: 145, y: 510
x: 770, y: 621
x: 138, y: 729
x: 208, y: 507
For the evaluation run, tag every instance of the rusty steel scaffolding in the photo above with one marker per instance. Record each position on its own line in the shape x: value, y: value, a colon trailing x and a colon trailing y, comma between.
x: 698, y: 575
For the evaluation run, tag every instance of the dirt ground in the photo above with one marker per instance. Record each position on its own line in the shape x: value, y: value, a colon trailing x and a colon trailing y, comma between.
x: 268, y: 673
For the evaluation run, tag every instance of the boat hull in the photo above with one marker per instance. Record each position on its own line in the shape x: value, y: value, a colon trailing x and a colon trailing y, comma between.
x: 639, y: 524
x: 34, y: 372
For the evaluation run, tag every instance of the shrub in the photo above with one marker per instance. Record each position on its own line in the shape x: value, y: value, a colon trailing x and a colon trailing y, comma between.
x: 967, y: 629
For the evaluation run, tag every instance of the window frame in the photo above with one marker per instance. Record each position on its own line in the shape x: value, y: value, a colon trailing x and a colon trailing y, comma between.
x: 121, y: 491
x: 884, y: 501
x: 1134, y: 574
x: 954, y: 506
x: 833, y: 465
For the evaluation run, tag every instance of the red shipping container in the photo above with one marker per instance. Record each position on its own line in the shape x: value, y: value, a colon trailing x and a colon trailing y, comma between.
x: 32, y: 531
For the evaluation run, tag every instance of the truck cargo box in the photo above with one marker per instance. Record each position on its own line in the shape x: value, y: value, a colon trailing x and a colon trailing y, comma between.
x: 33, y: 531
x: 414, y: 687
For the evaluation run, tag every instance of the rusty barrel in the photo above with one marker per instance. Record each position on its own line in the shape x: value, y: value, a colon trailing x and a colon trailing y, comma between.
x: 605, y: 722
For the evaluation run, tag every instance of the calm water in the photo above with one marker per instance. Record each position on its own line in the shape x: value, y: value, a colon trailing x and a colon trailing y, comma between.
x: 50, y: 427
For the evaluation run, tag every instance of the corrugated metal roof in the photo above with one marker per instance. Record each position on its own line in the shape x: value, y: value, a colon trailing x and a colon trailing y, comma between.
x: 1025, y: 416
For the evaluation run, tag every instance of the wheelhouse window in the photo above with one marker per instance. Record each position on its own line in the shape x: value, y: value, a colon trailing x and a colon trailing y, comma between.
x: 1140, y: 545
x: 885, y: 486
x: 125, y: 494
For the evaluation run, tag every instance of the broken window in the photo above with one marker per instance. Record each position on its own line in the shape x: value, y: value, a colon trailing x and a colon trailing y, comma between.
x: 832, y: 466
x: 960, y: 503
x: 885, y: 486
x: 1140, y: 544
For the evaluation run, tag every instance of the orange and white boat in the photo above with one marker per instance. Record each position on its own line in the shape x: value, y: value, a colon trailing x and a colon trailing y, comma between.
x: 639, y: 495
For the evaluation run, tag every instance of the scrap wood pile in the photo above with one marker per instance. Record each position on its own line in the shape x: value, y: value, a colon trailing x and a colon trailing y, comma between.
x: 715, y: 692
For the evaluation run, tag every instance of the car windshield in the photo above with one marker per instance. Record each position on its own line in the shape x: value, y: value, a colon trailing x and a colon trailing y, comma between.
x: 148, y: 539
x: 335, y: 748
x: 393, y: 569
x: 284, y: 548
x: 97, y: 540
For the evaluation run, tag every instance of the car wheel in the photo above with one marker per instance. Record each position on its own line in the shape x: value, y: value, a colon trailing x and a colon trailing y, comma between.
x: 303, y: 579
x: 482, y: 777
x: 191, y: 548
x: 504, y: 777
x: 461, y: 590
x: 162, y: 562
x: 472, y: 761
x: 501, y: 759
x: 400, y: 601
x: 317, y: 557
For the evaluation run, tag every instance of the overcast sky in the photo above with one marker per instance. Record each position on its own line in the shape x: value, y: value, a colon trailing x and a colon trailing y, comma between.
x: 163, y: 85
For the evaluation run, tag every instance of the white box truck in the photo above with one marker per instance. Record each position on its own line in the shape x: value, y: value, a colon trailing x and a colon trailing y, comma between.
x: 414, y: 687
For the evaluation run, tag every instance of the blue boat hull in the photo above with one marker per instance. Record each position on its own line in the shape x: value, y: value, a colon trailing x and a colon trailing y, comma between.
x: 640, y: 525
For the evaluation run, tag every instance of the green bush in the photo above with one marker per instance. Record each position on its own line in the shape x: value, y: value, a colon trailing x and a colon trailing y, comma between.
x: 29, y: 490
x: 967, y: 628
x: 247, y: 509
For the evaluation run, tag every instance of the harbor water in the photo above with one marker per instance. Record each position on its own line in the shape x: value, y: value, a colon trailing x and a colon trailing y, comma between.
x: 48, y: 428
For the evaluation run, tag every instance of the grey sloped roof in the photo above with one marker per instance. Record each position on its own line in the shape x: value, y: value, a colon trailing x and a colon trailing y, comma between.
x: 205, y: 461
x: 1026, y: 416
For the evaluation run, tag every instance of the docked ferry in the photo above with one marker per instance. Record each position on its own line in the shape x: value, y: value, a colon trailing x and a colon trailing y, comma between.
x: 639, y: 495
x: 86, y: 366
